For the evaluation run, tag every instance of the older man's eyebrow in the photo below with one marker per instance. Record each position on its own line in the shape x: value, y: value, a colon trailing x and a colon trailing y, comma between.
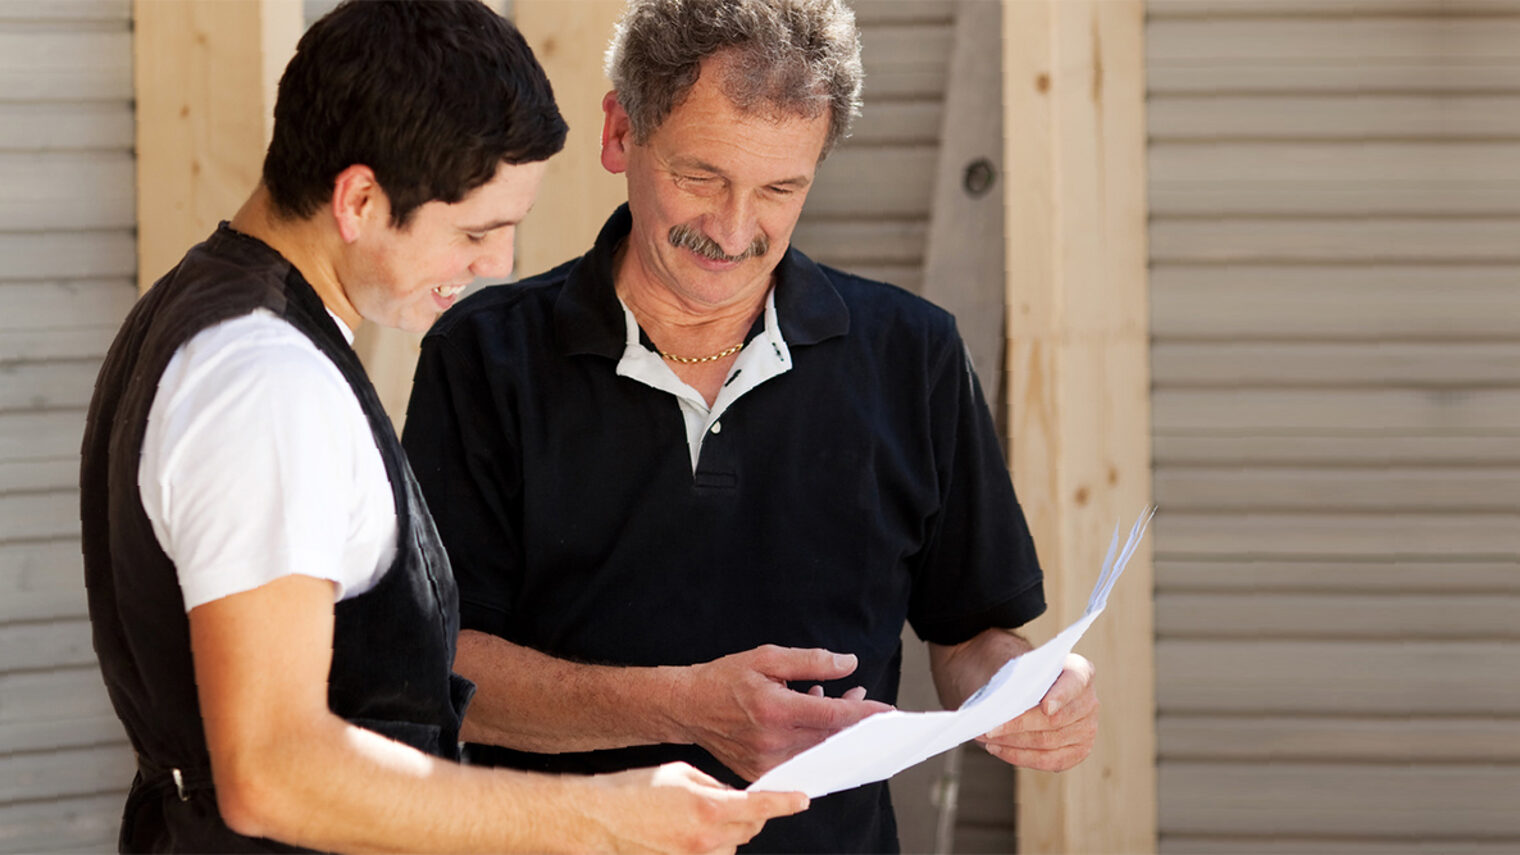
x: 798, y: 181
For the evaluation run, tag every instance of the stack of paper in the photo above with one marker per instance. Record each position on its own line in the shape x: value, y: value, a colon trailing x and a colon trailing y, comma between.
x: 879, y: 747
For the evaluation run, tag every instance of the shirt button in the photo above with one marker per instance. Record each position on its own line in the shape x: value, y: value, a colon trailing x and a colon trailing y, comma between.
x: 717, y: 427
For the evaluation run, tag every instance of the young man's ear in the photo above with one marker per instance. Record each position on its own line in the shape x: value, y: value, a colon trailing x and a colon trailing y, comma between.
x: 358, y: 201
x: 617, y: 134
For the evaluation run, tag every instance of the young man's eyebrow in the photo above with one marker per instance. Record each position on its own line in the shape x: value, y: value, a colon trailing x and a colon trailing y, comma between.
x: 491, y: 226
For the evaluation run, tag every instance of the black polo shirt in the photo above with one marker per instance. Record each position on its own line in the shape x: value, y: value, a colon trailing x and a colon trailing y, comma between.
x: 862, y: 487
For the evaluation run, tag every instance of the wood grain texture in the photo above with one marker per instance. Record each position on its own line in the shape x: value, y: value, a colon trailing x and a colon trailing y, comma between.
x: 205, y: 76
x: 1078, y: 379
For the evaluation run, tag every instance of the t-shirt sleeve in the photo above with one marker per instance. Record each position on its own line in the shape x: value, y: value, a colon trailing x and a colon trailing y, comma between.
x: 242, y: 470
x: 978, y: 568
x: 464, y: 454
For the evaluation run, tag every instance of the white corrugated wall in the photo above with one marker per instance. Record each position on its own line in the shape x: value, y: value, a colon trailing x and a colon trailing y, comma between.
x: 1335, y: 231
x: 67, y: 277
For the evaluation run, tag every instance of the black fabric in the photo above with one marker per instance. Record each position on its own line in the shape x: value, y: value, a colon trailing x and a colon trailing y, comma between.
x: 863, y: 487
x: 393, y: 646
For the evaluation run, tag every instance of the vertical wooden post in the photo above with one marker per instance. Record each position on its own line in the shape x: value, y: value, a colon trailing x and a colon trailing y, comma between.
x: 1078, y: 367
x: 578, y: 194
x: 205, y: 73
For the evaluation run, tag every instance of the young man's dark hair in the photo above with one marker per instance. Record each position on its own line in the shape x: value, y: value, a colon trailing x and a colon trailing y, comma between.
x: 420, y: 92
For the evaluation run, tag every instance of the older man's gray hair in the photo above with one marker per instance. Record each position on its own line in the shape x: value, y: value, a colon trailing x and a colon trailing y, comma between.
x: 785, y: 58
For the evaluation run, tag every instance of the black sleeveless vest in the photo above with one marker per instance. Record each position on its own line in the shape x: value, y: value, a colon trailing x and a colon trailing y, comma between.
x: 393, y: 646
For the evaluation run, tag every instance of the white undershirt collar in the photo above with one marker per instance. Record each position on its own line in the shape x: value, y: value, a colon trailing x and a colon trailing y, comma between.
x: 766, y: 356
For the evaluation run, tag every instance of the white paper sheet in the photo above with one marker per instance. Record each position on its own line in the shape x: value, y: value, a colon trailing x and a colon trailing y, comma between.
x: 879, y: 747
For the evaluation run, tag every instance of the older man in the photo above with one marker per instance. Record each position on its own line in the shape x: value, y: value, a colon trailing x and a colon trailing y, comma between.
x: 694, y: 483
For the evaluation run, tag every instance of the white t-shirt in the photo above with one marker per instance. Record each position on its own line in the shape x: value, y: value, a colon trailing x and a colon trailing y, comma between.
x: 258, y: 463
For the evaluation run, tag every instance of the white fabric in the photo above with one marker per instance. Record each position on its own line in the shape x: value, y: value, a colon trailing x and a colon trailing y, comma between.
x: 258, y: 463
x: 760, y: 360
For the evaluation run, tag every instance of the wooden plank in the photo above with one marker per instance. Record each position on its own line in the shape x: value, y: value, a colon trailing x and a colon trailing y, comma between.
x: 1310, y: 162
x: 41, y: 580
x: 984, y: 798
x: 64, y: 65
x: 66, y: 303
x: 1329, y: 739
x: 35, y: 345
x: 40, y: 436
x: 45, y: 644
x: 54, y: 733
x: 984, y: 840
x: 844, y: 242
x: 1078, y: 375
x: 39, y: 516
x: 1350, y: 198
x: 1338, y: 536
x: 1212, y: 9
x: 871, y: 12
x: 47, y: 385
x: 42, y: 695
x: 1267, y: 676
x: 1400, y: 574
x: 1280, y: 844
x: 1352, y: 411
x: 1403, y: 55
x: 964, y: 258
x: 1315, y: 179
x: 78, y: 824
x: 849, y: 183
x: 1372, y: 363
x: 1306, y: 449
x: 205, y: 76
x: 577, y: 193
x: 1374, y: 303
x: 26, y: 475
x: 900, y: 123
x: 1381, y: 800
x: 1298, y: 42
x: 1323, y: 616
x: 1387, y: 487
x: 1306, y: 240
x: 906, y: 61
x: 69, y: 11
x: 67, y: 772
x: 78, y: 126
x: 906, y: 276
x: 1353, y: 118
x: 66, y: 190
x: 68, y: 255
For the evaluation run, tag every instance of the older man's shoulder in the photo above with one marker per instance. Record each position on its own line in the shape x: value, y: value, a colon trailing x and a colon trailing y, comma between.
x: 879, y: 302
x: 499, y: 301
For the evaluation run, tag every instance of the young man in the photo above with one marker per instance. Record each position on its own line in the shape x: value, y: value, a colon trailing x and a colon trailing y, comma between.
x: 692, y: 475
x: 273, y: 611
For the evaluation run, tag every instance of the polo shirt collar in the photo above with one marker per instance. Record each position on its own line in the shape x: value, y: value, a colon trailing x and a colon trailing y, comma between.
x: 589, y: 319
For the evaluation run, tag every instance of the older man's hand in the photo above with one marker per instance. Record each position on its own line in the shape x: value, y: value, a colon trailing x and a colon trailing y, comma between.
x: 742, y: 711
x: 1058, y: 733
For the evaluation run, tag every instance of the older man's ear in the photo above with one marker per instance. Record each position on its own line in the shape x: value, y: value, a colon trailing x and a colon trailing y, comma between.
x: 617, y: 134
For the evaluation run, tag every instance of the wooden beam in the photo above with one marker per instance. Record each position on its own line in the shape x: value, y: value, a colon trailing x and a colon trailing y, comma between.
x: 205, y: 77
x: 1074, y: 154
x: 577, y: 194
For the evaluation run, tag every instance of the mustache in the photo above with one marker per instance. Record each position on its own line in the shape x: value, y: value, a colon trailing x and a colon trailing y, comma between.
x: 686, y: 237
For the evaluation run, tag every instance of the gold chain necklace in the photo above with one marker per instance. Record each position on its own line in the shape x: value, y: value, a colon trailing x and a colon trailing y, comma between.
x: 693, y: 360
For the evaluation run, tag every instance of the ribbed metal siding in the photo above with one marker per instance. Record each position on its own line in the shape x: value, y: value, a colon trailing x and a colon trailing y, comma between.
x: 66, y: 237
x: 1335, y: 191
